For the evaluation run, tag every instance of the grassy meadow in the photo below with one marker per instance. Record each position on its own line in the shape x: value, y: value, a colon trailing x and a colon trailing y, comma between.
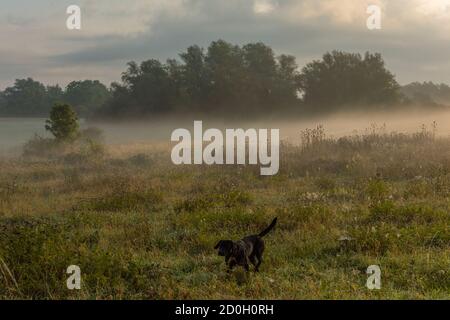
x: 140, y: 227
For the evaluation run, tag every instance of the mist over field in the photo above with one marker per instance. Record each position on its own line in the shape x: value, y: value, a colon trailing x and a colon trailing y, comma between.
x: 14, y: 132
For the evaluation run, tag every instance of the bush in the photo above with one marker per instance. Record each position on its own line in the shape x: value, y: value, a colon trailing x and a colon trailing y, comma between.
x: 40, y: 147
x: 63, y: 123
x: 378, y: 190
x: 140, y: 160
x: 70, y: 145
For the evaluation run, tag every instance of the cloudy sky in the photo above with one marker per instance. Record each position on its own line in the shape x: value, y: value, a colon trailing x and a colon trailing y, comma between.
x: 414, y: 39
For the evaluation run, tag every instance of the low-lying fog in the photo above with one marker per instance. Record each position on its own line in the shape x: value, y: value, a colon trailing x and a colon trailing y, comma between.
x: 14, y: 132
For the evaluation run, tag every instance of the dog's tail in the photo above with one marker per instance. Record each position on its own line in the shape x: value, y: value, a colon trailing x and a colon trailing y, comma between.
x: 270, y: 227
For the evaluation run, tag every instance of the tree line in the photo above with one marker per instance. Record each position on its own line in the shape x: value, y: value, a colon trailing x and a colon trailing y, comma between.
x: 30, y: 98
x: 427, y: 93
x: 223, y: 79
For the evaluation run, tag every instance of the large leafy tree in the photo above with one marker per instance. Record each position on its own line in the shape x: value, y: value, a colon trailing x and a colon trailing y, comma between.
x: 150, y: 85
x: 26, y: 98
x: 260, y: 74
x: 288, y: 79
x: 343, y: 79
x: 86, y: 96
x: 225, y: 69
x: 195, y: 82
x: 54, y: 94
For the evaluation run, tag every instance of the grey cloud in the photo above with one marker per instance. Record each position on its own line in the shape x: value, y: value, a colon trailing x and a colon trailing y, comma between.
x: 416, y: 54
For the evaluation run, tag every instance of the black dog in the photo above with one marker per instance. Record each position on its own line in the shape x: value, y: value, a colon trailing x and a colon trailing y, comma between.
x: 240, y: 252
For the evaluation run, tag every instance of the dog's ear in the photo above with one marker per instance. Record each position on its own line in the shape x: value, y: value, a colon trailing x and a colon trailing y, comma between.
x: 227, y: 244
x: 218, y: 244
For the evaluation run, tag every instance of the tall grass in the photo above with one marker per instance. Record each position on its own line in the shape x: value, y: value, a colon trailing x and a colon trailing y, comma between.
x: 142, y: 228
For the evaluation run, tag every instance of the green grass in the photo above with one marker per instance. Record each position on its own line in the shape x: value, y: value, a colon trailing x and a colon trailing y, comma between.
x: 142, y: 228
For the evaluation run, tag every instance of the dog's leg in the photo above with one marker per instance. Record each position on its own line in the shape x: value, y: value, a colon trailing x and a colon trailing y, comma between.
x: 245, y: 265
x: 258, y: 255
x: 253, y: 260
x: 231, y: 266
x: 258, y: 264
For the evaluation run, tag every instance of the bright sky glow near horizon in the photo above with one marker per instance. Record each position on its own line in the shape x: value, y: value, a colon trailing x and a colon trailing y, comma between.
x: 414, y: 40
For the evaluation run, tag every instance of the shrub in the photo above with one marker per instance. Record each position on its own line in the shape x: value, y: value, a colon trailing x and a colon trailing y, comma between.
x: 378, y: 190
x: 63, y: 123
x: 140, y: 160
x: 40, y: 147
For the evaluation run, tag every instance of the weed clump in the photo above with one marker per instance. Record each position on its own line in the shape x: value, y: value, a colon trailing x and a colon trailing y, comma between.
x: 119, y: 201
x: 231, y: 199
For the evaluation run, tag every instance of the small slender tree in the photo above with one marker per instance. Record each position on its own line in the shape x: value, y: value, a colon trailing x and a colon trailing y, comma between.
x: 63, y: 123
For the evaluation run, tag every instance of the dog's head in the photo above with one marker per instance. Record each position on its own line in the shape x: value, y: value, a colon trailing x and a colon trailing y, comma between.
x: 224, y: 247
